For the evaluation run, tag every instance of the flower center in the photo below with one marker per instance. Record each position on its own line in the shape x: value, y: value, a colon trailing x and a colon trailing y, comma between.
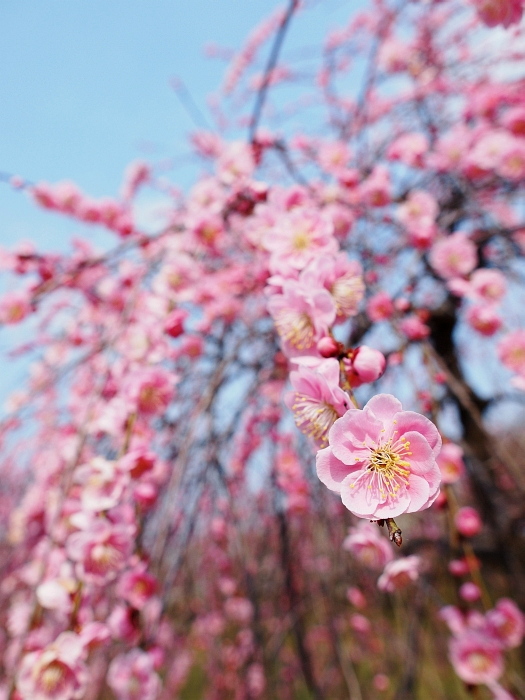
x: 52, y: 676
x: 478, y: 661
x: 389, y: 468
x: 296, y: 328
x: 314, y: 418
x: 301, y: 241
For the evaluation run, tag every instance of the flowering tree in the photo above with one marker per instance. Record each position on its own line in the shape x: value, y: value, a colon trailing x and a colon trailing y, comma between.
x: 168, y: 531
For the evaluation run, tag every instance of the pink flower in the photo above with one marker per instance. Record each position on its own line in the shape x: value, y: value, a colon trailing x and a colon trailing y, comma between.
x: 454, y: 256
x: 102, y: 484
x: 476, y: 657
x: 317, y: 400
x: 14, y: 307
x: 511, y: 351
x: 468, y: 522
x: 376, y: 190
x: 342, y: 277
x: 56, y: 672
x: 368, y: 546
x: 409, y: 148
x: 418, y: 212
x: 302, y: 316
x: 101, y: 549
x: 469, y: 592
x: 484, y: 318
x: 380, y: 307
x: 399, y: 574
x: 507, y: 623
x: 301, y: 236
x: 151, y: 389
x: 450, y: 462
x: 235, y: 162
x: 489, y: 285
x: 132, y: 676
x: 382, y: 460
x: 137, y: 587
x: 174, y: 323
x: 413, y: 328
x: 494, y: 12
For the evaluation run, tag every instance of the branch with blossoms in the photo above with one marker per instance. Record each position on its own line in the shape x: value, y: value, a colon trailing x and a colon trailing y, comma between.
x: 218, y: 416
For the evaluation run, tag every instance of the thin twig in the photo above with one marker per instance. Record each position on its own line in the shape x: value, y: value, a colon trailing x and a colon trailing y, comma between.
x: 272, y: 60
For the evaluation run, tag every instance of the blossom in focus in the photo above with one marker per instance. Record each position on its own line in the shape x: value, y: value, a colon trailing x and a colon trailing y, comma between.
x: 382, y: 460
x: 364, y: 366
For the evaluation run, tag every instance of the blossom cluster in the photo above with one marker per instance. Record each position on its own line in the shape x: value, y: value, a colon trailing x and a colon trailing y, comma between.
x: 169, y: 532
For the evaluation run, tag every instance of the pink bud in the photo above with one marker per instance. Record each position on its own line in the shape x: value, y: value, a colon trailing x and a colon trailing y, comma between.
x: 468, y: 521
x: 328, y: 347
x: 470, y: 592
x: 174, y: 325
x: 458, y: 567
x: 368, y: 365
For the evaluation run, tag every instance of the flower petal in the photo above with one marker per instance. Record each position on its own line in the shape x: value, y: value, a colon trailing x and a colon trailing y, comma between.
x: 330, y: 470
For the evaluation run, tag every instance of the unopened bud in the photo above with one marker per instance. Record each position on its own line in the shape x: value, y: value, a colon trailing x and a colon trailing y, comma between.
x: 328, y: 347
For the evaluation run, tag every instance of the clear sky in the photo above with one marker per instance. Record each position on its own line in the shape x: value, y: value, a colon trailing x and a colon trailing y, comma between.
x: 85, y: 88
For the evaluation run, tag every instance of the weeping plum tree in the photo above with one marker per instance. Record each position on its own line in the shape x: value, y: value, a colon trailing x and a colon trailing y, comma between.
x: 324, y: 337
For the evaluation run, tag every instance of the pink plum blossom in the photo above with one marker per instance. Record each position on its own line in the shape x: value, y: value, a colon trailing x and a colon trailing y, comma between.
x: 468, y: 521
x: 409, y: 148
x: 414, y: 328
x: 494, y: 12
x: 487, y: 284
x: 484, y: 318
x: 302, y: 316
x: 14, y: 307
x: 380, y: 307
x: 151, y: 389
x: 376, y: 190
x: 101, y: 549
x: 342, y: 277
x: 506, y: 623
x: 476, y: 657
x: 469, y: 592
x: 399, y: 574
x: 368, y: 546
x: 56, y: 672
x: 302, y: 235
x: 453, y: 256
x: 317, y: 400
x: 382, y: 460
x: 450, y: 462
x: 511, y: 350
x: 132, y: 676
